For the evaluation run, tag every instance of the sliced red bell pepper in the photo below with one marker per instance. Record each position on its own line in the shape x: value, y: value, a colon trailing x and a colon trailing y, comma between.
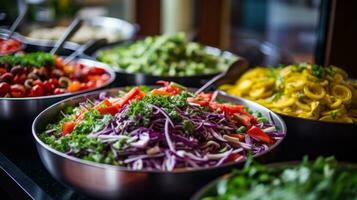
x: 243, y: 119
x: 133, y: 94
x: 203, y: 99
x: 165, y: 83
x: 233, y: 157
x: 108, y: 110
x: 259, y: 134
x: 104, y: 103
x: 227, y: 108
x: 68, y: 127
x: 168, y: 89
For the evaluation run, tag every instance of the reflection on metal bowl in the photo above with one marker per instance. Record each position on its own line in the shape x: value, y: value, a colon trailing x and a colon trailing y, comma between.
x: 107, y: 181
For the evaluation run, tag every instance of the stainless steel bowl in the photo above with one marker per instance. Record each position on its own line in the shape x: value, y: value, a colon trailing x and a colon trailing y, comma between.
x: 147, y: 79
x: 123, y: 28
x: 107, y: 181
x: 15, y: 110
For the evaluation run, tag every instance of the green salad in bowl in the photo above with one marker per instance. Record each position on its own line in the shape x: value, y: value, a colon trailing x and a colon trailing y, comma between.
x: 167, y: 55
x: 323, y: 178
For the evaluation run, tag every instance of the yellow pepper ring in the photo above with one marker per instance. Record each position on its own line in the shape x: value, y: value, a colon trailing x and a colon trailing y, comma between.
x: 284, y: 102
x: 303, y: 106
x: 314, y: 91
x: 342, y: 92
x: 336, y: 104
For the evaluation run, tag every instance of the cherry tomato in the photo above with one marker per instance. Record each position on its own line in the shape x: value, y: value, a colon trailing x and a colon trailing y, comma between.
x: 2, y: 71
x: 19, y: 78
x: 96, y: 71
x: 36, y: 91
x: 105, y: 77
x: 54, y: 82
x: 38, y: 82
x: 90, y: 84
x: 4, y: 88
x: 48, y: 87
x: 7, y: 77
x: 74, y: 86
x: 17, y: 90
x: 59, y: 91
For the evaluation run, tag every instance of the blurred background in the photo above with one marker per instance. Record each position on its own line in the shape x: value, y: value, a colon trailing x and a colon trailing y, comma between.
x: 266, y: 32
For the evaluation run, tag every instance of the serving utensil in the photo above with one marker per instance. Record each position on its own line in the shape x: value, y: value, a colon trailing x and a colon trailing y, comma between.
x: 17, y: 21
x: 83, y: 48
x: 70, y: 31
x: 234, y: 70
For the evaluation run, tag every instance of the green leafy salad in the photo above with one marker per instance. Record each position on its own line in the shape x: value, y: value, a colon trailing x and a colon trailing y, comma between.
x: 321, y: 179
x: 165, y: 55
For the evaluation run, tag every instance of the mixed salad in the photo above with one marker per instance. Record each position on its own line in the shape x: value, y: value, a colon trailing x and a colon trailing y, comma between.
x: 43, y: 74
x: 166, y: 128
x: 165, y: 55
x: 321, y: 179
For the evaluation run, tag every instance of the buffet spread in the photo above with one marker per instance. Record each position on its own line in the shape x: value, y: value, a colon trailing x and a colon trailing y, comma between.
x: 155, y: 131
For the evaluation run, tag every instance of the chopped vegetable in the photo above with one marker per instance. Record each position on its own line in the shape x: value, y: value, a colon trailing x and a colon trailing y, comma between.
x: 166, y: 55
x: 41, y: 74
x: 159, y: 131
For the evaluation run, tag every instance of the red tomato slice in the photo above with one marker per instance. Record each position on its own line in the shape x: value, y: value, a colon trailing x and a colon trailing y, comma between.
x: 233, y: 157
x: 68, y: 127
x: 168, y: 89
x: 202, y: 99
x: 259, y: 134
x: 228, y: 108
x: 108, y: 110
x: 133, y: 94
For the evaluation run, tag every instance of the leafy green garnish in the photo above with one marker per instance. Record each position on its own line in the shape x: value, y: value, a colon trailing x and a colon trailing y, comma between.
x: 318, y: 71
x: 188, y: 126
x: 38, y: 59
x: 241, y: 129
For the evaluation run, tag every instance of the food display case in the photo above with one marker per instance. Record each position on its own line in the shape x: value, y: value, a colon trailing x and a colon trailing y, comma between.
x: 176, y: 99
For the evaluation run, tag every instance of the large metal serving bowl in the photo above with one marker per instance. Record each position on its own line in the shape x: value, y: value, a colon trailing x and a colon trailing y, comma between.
x: 146, y: 79
x: 125, y: 29
x: 107, y: 181
x: 211, y: 188
x: 316, y: 138
x: 24, y: 110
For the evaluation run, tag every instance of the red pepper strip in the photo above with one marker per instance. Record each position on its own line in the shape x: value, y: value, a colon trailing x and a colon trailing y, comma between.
x: 244, y: 119
x: 233, y: 157
x: 68, y: 127
x: 227, y: 108
x: 165, y: 83
x: 259, y: 134
x: 133, y: 94
x: 108, y: 110
x: 202, y: 99
x: 168, y: 89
